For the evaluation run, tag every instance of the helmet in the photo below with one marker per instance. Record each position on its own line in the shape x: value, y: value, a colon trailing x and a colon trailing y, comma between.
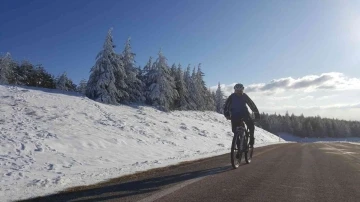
x: 239, y: 86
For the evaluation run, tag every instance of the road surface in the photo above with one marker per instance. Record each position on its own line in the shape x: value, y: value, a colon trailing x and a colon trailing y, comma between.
x: 284, y: 172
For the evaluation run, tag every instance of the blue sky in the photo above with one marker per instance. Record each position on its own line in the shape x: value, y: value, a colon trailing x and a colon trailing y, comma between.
x: 236, y: 41
x: 251, y: 42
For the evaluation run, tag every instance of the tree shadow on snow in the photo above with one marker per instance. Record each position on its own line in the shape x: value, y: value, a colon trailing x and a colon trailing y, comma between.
x: 122, y: 190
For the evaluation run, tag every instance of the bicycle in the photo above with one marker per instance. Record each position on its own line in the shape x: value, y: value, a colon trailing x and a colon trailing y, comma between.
x: 240, y: 145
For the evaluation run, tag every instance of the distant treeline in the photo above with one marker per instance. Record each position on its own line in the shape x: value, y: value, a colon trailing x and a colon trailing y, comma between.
x: 26, y: 74
x: 309, y: 126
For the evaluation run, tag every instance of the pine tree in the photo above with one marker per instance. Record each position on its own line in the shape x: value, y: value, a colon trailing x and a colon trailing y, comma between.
x: 64, y: 83
x: 147, y: 70
x: 287, y: 124
x: 81, y: 88
x: 107, y: 76
x: 162, y: 91
x: 45, y: 79
x: 296, y: 125
x: 213, y: 95
x: 189, y: 86
x: 173, y: 70
x: 134, y: 84
x: 5, y: 68
x: 27, y: 74
x: 209, y: 100
x: 24, y: 73
x: 182, y: 101
x: 309, y: 129
x: 206, y: 101
x: 264, y: 122
x: 219, y: 100
x: 195, y: 93
x: 61, y: 82
x: 146, y: 80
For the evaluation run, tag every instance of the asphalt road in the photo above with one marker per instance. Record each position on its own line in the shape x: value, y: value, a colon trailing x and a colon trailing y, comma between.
x: 285, y: 172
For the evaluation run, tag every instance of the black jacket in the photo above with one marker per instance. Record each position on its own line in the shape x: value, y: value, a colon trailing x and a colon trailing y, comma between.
x: 228, y: 105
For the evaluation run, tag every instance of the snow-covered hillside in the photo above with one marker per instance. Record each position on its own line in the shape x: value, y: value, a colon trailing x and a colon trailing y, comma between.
x: 51, y: 140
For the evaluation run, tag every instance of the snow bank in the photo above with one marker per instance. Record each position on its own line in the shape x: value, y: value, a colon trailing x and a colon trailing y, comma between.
x: 50, y: 140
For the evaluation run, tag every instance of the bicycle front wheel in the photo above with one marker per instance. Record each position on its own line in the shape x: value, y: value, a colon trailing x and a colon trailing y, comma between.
x: 249, y: 152
x: 248, y: 155
x: 236, y: 151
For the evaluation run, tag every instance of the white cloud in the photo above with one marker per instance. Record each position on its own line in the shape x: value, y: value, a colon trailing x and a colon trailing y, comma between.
x: 325, y: 97
x: 309, y: 97
x: 329, y: 94
x: 310, y: 83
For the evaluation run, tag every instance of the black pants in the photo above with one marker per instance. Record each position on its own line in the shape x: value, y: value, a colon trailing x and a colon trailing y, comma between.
x: 249, y: 123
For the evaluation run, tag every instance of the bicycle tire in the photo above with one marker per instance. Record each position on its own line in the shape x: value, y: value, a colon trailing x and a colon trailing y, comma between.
x: 248, y: 155
x: 249, y: 151
x: 236, y: 153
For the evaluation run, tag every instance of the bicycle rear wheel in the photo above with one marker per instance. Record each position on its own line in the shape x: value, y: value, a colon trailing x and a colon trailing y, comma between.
x: 236, y: 151
x: 249, y: 152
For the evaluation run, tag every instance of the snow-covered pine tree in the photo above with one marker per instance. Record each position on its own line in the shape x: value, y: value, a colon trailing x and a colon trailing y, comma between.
x: 141, y: 77
x: 296, y: 124
x: 65, y: 83
x: 61, y: 82
x: 120, y: 78
x: 219, y: 100
x: 287, y: 123
x: 133, y: 83
x: 145, y: 79
x: 24, y: 73
x: 194, y: 91
x: 81, y: 88
x: 106, y: 75
x: 309, y: 129
x: 45, y: 79
x: 5, y: 68
x: 71, y: 86
x: 162, y: 91
x: 173, y: 70
x: 213, y: 95
x: 205, y: 95
x: 328, y: 125
x: 182, y: 101
x: 189, y: 86
x: 146, y: 70
x: 209, y: 100
x: 198, y: 91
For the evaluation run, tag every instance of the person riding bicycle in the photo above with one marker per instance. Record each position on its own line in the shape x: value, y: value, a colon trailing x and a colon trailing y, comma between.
x: 235, y: 109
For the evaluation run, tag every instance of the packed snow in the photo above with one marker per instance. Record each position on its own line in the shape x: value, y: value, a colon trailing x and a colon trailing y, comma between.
x: 51, y: 140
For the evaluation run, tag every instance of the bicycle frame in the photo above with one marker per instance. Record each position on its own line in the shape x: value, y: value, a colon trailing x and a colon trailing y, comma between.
x: 239, y: 131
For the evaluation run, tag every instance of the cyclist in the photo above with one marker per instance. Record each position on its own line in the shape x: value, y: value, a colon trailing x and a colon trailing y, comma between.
x: 235, y: 109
